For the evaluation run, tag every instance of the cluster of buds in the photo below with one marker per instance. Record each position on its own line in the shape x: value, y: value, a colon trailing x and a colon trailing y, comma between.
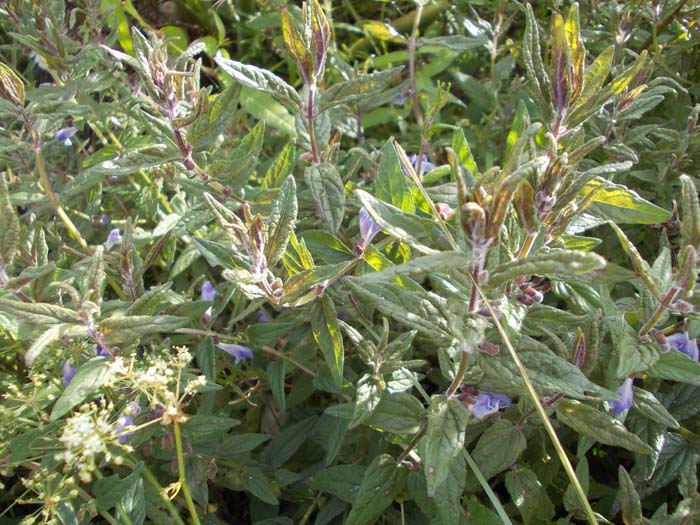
x: 308, y: 48
x: 532, y: 292
x: 249, y: 235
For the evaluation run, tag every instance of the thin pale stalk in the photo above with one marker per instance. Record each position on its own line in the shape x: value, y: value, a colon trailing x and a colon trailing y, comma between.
x: 310, y: 119
x: 668, y: 299
x: 541, y: 412
x: 412, y: 64
x: 182, y: 478
x: 487, y: 488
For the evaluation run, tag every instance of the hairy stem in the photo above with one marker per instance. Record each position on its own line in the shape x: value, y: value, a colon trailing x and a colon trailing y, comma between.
x: 310, y: 120
x: 668, y: 299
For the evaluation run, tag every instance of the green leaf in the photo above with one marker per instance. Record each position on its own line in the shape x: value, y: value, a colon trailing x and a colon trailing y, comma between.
x: 593, y: 80
x: 416, y: 309
x: 262, y: 80
x: 675, y: 451
x: 690, y: 226
x: 260, y: 486
x: 89, y: 378
x: 549, y: 373
x: 281, y: 168
x: 264, y: 107
x: 676, y: 366
x: 343, y: 481
x: 109, y: 491
x: 368, y: 396
x: 600, y: 426
x: 419, y: 266
x: 632, y: 355
x: 39, y: 313
x: 399, y: 413
x: 572, y: 502
x: 418, y: 232
x: 629, y: 499
x: 119, y: 330
x: 281, y: 221
x: 553, y: 263
x: 328, y: 192
x: 233, y: 446
x: 382, y: 482
x: 383, y: 32
x: 357, y: 89
x: 392, y: 183
x: 650, y: 407
x: 222, y: 112
x: 458, y: 43
x: 287, y: 442
x: 326, y: 331
x: 480, y: 514
x: 622, y: 205
x: 640, y: 265
x: 444, y: 439
x: 529, y: 496
x: 498, y: 448
x: 448, y: 496
x: 9, y: 226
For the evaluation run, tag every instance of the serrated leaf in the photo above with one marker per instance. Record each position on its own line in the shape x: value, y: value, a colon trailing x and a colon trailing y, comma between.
x: 549, y: 373
x: 690, y: 226
x: 328, y: 192
x: 419, y: 310
x: 444, y: 439
x: 343, y: 481
x: 368, y: 396
x: 262, y: 80
x: 357, y: 89
x: 392, y: 183
x: 282, y: 219
x: 622, y: 205
x: 89, y: 378
x: 553, y: 264
x: 676, y: 366
x: 9, y: 226
x: 600, y: 426
x: 281, y: 168
x: 326, y: 332
x: 111, y: 490
x: 497, y: 449
x: 398, y: 413
x: 629, y: 498
x: 418, y: 232
x: 529, y: 496
x: 382, y: 482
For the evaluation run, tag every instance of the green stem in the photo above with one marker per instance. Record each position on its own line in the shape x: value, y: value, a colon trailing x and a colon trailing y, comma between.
x: 310, y: 119
x: 487, y: 488
x: 182, y: 478
x: 412, y: 66
x: 541, y: 412
x: 153, y: 482
x: 668, y: 299
x: 463, y: 362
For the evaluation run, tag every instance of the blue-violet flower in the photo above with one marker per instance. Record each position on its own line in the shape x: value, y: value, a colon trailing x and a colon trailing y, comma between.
x: 64, y: 135
x: 626, y: 395
x: 368, y: 230
x: 114, y: 237
x: 488, y: 403
x: 683, y: 343
x: 68, y: 373
x: 425, y: 165
x: 238, y: 352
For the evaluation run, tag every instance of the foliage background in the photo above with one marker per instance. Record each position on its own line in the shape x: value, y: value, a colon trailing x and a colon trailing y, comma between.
x: 353, y: 399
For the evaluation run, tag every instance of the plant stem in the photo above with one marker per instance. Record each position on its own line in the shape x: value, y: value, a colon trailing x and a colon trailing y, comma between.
x: 487, y: 488
x: 668, y: 299
x: 541, y: 412
x: 412, y: 64
x: 151, y: 480
x: 414, y: 442
x: 463, y: 362
x: 182, y: 478
x: 310, y: 120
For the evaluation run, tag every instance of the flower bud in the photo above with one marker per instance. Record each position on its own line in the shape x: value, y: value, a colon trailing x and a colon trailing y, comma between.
x: 11, y: 86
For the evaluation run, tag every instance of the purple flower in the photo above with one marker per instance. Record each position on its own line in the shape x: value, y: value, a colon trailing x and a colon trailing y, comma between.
x: 263, y: 317
x: 238, y: 352
x: 626, y: 394
x: 401, y: 98
x: 114, y: 237
x: 64, y: 135
x: 68, y: 373
x: 208, y: 291
x: 683, y: 343
x: 425, y: 165
x: 126, y: 419
x: 101, y: 352
x: 488, y: 403
x: 368, y: 230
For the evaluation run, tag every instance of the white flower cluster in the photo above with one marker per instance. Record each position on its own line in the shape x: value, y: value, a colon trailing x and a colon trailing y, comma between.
x: 86, y: 436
